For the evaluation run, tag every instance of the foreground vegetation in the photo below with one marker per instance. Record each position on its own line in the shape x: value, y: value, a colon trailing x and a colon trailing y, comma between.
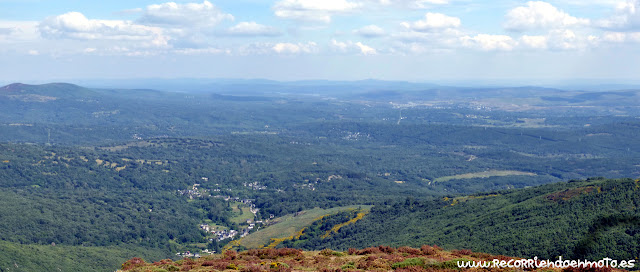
x: 381, y: 258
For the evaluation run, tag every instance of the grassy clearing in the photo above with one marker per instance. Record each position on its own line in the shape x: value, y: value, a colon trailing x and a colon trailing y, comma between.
x: 485, y: 174
x: 241, y: 217
x: 289, y: 225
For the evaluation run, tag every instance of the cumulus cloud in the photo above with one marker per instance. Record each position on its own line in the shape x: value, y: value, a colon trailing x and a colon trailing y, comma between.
x: 183, y: 15
x: 432, y: 41
x: 621, y: 37
x: 75, y: 25
x: 489, y: 42
x: 626, y: 17
x: 559, y: 39
x: 313, y: 10
x: 295, y: 48
x: 18, y: 31
x: 534, y: 42
x: 253, y: 29
x: 414, y: 4
x: 200, y: 51
x: 540, y: 15
x: 350, y: 47
x: 564, y: 40
x: 433, y: 22
x: 370, y: 31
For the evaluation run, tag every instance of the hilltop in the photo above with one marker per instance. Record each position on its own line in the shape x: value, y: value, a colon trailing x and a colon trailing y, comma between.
x: 45, y: 92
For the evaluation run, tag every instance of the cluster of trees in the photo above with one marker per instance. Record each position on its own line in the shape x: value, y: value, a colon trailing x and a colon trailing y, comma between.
x: 312, y: 236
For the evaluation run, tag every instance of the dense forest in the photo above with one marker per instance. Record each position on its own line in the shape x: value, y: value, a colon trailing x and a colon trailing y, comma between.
x: 84, y: 171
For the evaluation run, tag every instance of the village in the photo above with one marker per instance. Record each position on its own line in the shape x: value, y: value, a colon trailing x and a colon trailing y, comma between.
x: 220, y: 233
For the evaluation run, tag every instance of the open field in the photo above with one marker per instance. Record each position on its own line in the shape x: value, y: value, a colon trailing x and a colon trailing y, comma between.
x: 290, y: 224
x: 241, y: 218
x: 485, y: 174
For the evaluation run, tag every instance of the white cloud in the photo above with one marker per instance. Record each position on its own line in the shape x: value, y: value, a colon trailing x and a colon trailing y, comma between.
x: 75, y: 25
x: 559, y: 39
x: 621, y: 37
x: 183, y: 15
x: 313, y: 10
x: 564, y: 40
x: 627, y: 17
x: 33, y: 52
x: 433, y: 22
x: 350, y: 47
x: 370, y: 31
x: 18, y: 31
x: 413, y: 4
x: 422, y: 42
x: 366, y: 50
x: 488, y: 42
x: 253, y: 29
x: 295, y: 48
x: 540, y: 15
x: 201, y: 51
x: 534, y: 42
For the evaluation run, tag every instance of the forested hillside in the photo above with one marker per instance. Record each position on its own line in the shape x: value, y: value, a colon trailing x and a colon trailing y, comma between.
x: 591, y: 219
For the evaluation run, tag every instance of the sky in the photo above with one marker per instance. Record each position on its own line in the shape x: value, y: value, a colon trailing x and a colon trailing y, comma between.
x: 414, y: 40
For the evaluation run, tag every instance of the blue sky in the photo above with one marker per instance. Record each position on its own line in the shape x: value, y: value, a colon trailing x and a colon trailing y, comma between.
x: 417, y: 40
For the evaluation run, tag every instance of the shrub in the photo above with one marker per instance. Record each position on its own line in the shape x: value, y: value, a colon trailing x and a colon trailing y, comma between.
x: 216, y: 264
x: 452, y: 264
x: 253, y: 268
x: 387, y: 249
x: 410, y: 250
x: 369, y: 250
x: 481, y: 255
x: 408, y: 262
x: 428, y: 250
x: 330, y: 270
x: 349, y: 265
x: 461, y: 252
x: 187, y: 261
x: 326, y: 252
x: 270, y: 253
x: 173, y: 268
x: 587, y: 269
x: 165, y: 261
x: 133, y: 263
x: 282, y: 267
x: 373, y: 263
x: 230, y: 254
